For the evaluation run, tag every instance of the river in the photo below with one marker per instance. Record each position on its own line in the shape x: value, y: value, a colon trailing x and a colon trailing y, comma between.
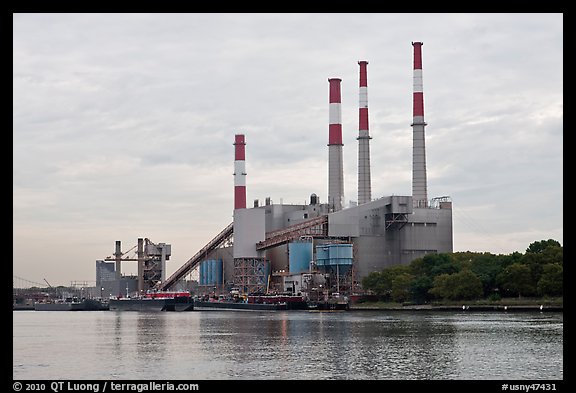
x: 288, y: 345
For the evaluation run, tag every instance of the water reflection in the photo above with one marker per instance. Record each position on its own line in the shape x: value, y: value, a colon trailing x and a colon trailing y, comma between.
x: 288, y: 345
x: 375, y: 346
x: 328, y: 345
x: 136, y: 339
x: 150, y: 334
x: 493, y: 348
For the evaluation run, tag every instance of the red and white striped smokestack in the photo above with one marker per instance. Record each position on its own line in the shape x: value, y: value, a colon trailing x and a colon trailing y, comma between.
x: 335, y: 162
x: 239, y: 172
x: 364, y: 183
x: 419, y: 187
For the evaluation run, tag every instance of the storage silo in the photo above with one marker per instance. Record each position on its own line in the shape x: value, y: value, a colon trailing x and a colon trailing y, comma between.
x: 299, y: 256
x: 210, y: 271
x: 202, y: 273
x: 218, y: 271
x: 334, y: 258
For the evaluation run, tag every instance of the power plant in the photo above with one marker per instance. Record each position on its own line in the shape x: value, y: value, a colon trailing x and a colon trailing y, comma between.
x: 320, y: 248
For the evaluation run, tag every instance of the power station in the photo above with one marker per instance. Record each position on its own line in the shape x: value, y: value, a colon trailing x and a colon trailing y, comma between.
x: 316, y: 248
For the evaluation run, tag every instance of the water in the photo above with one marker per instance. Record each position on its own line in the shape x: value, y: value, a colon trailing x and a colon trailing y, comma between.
x: 296, y: 345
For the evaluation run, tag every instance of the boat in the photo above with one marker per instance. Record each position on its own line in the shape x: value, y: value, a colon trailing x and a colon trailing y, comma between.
x: 154, y: 301
x: 328, y: 306
x: 203, y: 305
x: 22, y: 307
x: 336, y: 302
x: 252, y: 302
x: 72, y: 304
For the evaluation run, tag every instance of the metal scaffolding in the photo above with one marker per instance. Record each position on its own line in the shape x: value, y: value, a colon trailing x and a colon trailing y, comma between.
x: 251, y: 275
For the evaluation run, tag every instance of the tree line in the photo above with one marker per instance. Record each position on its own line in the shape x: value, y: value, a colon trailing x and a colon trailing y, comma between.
x: 473, y: 275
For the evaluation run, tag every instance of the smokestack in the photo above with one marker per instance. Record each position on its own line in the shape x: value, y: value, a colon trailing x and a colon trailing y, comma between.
x: 239, y: 172
x: 419, y: 188
x: 118, y: 255
x: 140, y: 265
x: 335, y: 164
x: 364, y: 186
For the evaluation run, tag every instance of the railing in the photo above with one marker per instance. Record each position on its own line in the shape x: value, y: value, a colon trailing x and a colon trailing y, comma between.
x: 315, y: 227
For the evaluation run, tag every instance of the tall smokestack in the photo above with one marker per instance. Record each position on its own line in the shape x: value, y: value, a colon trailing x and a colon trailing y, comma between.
x: 239, y: 172
x: 419, y: 188
x: 140, y: 254
x: 364, y: 186
x: 335, y: 164
x: 118, y: 255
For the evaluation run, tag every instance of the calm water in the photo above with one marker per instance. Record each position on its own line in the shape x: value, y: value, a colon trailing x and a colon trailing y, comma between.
x: 204, y: 345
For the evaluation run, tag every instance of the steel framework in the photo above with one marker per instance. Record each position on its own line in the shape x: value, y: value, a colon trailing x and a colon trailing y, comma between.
x: 251, y: 275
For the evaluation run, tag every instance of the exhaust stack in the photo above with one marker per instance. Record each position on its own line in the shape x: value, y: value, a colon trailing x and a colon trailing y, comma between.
x: 335, y: 163
x: 419, y: 186
x: 364, y: 183
x: 239, y: 172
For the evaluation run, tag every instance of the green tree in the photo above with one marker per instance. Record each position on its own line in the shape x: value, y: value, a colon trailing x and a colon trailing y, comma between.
x: 441, y: 287
x: 401, y: 285
x: 507, y: 260
x: 539, y: 246
x: 456, y: 275
x: 381, y: 282
x: 516, y: 279
x: 462, y: 285
x: 425, y: 269
x: 466, y: 285
x: 372, y: 283
x: 551, y: 282
x: 420, y: 288
x: 433, y: 265
x: 462, y: 256
x: 540, y: 254
x: 486, y: 267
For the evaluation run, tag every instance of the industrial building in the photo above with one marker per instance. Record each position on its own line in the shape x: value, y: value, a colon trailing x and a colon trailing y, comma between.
x: 319, y: 248
x: 151, y: 264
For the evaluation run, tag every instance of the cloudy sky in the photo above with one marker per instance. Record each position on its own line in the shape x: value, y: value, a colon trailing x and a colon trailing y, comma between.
x: 123, y: 124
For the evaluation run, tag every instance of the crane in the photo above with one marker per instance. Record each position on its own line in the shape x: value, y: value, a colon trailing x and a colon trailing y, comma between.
x: 51, y: 287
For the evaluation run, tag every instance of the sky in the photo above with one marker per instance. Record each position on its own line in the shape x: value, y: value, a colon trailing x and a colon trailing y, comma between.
x: 124, y: 124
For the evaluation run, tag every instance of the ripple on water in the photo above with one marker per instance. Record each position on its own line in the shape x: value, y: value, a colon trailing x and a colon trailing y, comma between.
x: 287, y: 345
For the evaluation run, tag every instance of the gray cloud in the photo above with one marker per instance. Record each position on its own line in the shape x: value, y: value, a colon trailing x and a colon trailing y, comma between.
x: 123, y: 124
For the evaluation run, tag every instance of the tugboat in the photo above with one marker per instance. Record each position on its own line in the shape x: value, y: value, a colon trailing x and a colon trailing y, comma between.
x: 154, y: 301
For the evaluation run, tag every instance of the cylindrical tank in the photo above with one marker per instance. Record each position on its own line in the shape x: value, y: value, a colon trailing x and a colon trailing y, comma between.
x: 299, y: 256
x: 334, y: 256
x: 218, y: 272
x: 313, y: 199
x: 322, y: 255
x: 203, y: 273
x: 210, y: 269
x: 211, y: 272
x: 213, y: 268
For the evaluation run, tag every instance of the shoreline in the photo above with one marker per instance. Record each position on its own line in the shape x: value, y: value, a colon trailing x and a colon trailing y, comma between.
x: 462, y: 308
